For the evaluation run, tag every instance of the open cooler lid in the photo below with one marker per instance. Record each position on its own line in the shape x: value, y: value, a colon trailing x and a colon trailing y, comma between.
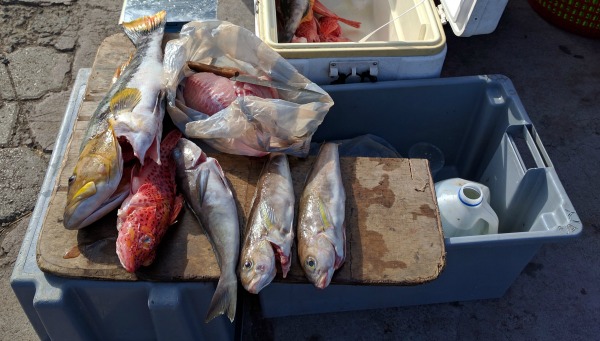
x: 472, y: 17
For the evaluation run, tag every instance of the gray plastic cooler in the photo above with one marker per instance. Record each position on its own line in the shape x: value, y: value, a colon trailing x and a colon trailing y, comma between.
x: 485, y: 134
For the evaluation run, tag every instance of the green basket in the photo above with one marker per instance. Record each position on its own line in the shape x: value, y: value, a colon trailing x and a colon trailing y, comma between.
x: 580, y: 17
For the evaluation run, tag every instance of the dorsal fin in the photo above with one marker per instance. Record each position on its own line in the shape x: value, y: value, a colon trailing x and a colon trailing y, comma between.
x: 139, y: 28
x: 120, y: 69
x: 125, y: 99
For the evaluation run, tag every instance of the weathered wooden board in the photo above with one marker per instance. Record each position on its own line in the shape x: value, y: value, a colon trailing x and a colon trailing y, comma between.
x: 393, y: 228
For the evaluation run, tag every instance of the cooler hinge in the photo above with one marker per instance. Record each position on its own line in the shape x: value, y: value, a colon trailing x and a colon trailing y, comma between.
x: 442, y: 13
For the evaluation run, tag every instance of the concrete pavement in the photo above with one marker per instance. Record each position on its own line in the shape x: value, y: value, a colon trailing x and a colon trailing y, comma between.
x: 557, y: 75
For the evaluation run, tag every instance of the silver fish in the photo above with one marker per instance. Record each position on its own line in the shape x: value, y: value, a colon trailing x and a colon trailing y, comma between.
x: 321, y: 214
x: 269, y: 227
x: 207, y: 193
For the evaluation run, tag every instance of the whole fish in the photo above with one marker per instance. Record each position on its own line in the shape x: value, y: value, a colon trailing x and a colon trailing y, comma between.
x: 292, y: 13
x: 133, y: 103
x: 151, y: 207
x: 321, y: 213
x: 269, y: 229
x: 207, y: 193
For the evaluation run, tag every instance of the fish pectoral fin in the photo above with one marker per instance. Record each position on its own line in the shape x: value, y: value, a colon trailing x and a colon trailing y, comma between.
x: 177, y: 206
x: 269, y: 218
x: 125, y: 100
x: 202, y: 183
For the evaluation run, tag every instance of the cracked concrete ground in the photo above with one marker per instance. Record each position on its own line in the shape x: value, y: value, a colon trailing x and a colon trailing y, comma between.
x: 43, y: 43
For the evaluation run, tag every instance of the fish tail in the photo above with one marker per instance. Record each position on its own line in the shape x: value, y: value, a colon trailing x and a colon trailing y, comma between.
x: 139, y: 28
x: 224, y: 300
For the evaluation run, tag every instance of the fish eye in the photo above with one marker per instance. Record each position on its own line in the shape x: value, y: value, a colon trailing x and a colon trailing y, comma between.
x: 248, y: 264
x: 146, y: 240
x: 72, y: 179
x: 311, y: 262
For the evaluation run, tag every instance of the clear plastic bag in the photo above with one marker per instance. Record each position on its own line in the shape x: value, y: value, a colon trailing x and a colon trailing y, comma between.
x: 250, y: 125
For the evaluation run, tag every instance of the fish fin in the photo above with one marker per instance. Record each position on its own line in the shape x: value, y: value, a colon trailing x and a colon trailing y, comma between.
x: 119, y: 71
x: 268, y: 216
x: 329, y: 232
x: 202, y: 183
x: 177, y: 206
x: 139, y: 28
x: 224, y: 299
x: 125, y: 100
x: 325, y: 216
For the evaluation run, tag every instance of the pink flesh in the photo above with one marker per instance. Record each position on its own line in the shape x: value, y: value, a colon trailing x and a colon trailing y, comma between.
x: 209, y: 93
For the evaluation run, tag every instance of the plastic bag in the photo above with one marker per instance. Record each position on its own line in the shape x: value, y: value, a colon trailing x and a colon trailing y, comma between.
x: 250, y: 125
x: 368, y: 145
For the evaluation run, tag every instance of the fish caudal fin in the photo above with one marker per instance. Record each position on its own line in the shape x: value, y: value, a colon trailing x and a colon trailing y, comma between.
x: 139, y: 28
x: 224, y: 299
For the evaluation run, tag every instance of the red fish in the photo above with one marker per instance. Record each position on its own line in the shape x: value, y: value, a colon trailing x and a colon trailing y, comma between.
x: 321, y: 25
x: 320, y: 9
x: 151, y: 207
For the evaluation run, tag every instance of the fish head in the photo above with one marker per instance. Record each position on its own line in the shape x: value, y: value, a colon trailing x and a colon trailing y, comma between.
x: 317, y: 257
x: 95, y: 179
x: 257, y: 266
x: 188, y: 155
x: 136, y: 244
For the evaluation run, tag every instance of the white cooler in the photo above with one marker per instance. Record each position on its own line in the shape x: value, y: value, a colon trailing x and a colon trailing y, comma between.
x: 411, y: 46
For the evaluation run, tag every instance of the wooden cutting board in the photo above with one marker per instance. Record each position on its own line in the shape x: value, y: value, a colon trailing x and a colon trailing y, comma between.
x: 394, y: 234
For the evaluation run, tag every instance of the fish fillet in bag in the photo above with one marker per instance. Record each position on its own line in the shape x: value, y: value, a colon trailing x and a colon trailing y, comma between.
x: 250, y: 125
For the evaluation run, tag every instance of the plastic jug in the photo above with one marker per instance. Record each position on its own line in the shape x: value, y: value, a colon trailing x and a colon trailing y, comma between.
x: 465, y: 208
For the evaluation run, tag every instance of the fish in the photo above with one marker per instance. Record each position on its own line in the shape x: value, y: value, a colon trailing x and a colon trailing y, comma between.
x: 321, y: 25
x: 292, y: 13
x: 209, y: 93
x: 141, y: 125
x: 208, y: 195
x: 269, y: 232
x: 152, y: 205
x: 321, y: 225
x: 138, y: 79
x: 90, y: 196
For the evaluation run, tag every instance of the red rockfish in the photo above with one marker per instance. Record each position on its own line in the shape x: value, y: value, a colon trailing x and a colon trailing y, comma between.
x: 151, y: 207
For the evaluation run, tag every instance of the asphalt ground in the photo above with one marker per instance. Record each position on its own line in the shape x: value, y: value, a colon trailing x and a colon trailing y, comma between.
x: 556, y: 74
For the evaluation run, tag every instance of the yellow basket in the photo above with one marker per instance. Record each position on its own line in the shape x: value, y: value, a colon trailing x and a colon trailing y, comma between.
x: 581, y: 17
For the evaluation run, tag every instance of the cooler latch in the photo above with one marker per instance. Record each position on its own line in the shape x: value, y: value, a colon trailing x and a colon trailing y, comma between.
x: 442, y: 13
x: 353, y: 71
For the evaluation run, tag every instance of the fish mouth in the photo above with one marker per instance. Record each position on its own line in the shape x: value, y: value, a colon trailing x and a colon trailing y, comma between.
x: 323, y: 281
x: 256, y: 285
x: 80, y: 213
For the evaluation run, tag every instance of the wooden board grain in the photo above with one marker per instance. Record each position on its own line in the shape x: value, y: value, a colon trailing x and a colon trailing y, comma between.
x: 394, y: 234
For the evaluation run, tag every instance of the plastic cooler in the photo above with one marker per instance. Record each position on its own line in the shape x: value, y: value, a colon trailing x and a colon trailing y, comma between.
x: 412, y: 45
x: 77, y: 309
x: 485, y: 135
